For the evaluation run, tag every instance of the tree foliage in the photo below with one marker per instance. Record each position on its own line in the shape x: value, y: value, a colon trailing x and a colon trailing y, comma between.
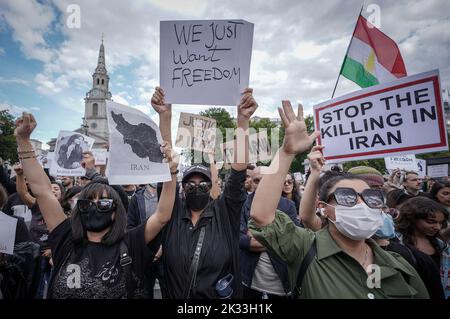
x: 8, y: 146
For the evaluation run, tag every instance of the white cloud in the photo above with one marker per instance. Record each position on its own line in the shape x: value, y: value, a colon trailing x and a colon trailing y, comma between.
x: 30, y: 22
x: 13, y: 109
x: 2, y: 51
x: 298, y: 46
x: 119, y: 99
x: 13, y: 81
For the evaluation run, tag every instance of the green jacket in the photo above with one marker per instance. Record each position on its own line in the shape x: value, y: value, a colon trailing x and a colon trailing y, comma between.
x: 333, y: 273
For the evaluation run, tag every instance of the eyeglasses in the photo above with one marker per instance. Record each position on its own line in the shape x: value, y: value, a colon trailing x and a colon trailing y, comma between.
x: 103, y: 205
x: 346, y: 196
x: 202, y: 186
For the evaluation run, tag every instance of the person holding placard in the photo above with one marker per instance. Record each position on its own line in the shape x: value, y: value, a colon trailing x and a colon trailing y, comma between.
x: 339, y: 261
x: 201, y: 241
x: 93, y: 255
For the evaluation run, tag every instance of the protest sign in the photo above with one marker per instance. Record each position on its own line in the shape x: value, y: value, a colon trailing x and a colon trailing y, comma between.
x: 298, y: 176
x: 440, y: 170
x: 258, y: 148
x: 135, y: 156
x: 421, y: 168
x: 406, y: 162
x: 7, y: 233
x: 68, y: 154
x: 404, y: 116
x: 100, y: 155
x: 196, y: 132
x: 47, y: 161
x: 205, y: 62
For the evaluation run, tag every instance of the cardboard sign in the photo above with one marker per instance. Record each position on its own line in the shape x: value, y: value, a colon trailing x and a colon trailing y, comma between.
x: 135, y: 156
x: 259, y: 148
x: 404, y: 116
x: 68, y: 154
x: 440, y: 170
x: 8, y: 226
x: 205, y: 62
x: 196, y: 132
x: 406, y: 162
x: 100, y: 155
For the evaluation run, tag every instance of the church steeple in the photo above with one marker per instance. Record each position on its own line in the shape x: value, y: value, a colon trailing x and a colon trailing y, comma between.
x: 100, y: 78
x: 101, y: 65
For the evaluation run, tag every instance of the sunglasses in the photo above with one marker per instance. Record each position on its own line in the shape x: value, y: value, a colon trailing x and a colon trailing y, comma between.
x: 202, y: 186
x: 103, y: 205
x: 349, y: 197
x: 289, y: 181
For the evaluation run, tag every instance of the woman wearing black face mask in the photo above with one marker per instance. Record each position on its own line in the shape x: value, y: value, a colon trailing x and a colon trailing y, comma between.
x: 208, y: 226
x: 93, y: 256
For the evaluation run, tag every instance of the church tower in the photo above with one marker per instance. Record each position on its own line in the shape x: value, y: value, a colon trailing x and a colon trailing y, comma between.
x: 95, y: 121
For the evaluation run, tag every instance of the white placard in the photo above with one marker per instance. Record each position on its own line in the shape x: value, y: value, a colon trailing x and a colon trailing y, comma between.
x: 48, y: 159
x: 405, y: 162
x: 421, y: 168
x: 440, y: 170
x: 100, y: 155
x: 68, y: 154
x: 8, y: 226
x: 298, y: 177
x: 404, y: 116
x: 205, y: 62
x: 259, y: 149
x: 135, y: 156
x: 196, y: 132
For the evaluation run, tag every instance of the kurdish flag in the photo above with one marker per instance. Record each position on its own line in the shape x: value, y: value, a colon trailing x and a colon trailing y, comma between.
x: 372, y: 57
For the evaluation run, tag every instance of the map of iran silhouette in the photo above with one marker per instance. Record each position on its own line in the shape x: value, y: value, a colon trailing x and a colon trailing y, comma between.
x: 142, y: 138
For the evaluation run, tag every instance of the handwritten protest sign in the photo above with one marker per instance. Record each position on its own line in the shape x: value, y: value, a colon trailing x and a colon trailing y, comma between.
x: 405, y: 116
x: 7, y: 233
x: 68, y: 154
x: 205, y: 61
x: 196, y: 132
x: 100, y: 155
x: 258, y: 148
x: 135, y: 156
x: 440, y: 170
x: 406, y: 162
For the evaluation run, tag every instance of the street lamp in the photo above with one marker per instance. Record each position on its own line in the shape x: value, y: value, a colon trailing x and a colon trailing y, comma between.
x: 85, y: 126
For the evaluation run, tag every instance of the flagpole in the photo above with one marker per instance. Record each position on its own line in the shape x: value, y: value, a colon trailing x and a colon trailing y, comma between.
x: 348, y: 47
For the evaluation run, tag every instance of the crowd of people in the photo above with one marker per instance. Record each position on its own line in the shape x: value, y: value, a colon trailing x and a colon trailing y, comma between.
x: 259, y: 234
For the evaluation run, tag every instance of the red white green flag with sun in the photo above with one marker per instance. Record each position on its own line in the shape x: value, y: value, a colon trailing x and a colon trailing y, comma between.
x: 372, y: 57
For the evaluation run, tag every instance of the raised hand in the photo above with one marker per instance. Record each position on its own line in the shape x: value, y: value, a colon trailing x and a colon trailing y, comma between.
x: 247, y: 106
x: 25, y: 126
x: 88, y: 161
x: 18, y: 169
x: 296, y: 138
x: 170, y: 156
x: 158, y: 102
x: 316, y: 160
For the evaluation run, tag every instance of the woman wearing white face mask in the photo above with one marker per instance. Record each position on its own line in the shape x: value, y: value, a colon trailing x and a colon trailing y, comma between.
x: 333, y: 262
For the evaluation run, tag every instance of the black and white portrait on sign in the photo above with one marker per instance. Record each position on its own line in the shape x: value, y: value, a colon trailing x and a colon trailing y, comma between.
x: 68, y: 153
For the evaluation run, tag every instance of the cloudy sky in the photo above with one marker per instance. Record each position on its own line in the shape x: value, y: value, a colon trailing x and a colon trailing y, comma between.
x: 298, y: 48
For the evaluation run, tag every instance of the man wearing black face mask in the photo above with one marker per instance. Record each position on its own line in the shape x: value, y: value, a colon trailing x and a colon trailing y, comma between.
x: 209, y: 227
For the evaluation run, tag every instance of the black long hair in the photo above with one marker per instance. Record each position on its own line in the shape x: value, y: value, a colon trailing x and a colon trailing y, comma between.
x: 95, y: 190
x: 416, y: 208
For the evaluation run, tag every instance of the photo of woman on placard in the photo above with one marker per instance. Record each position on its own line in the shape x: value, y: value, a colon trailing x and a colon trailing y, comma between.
x: 70, y: 153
